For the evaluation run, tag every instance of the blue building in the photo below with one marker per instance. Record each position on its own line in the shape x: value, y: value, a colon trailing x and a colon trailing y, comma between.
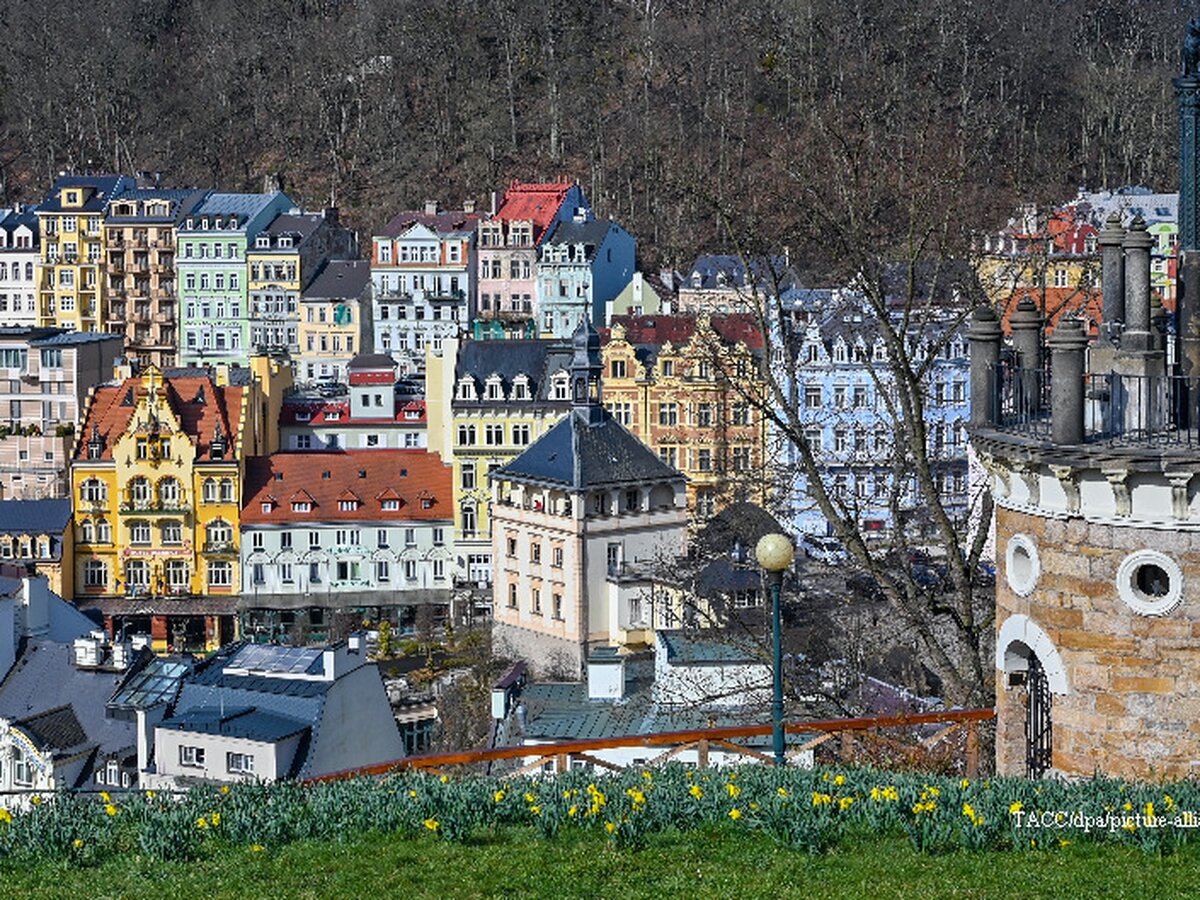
x: 846, y: 406
x: 582, y: 267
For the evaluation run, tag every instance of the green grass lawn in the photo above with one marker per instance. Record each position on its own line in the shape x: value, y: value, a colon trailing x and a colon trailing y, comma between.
x: 710, y: 863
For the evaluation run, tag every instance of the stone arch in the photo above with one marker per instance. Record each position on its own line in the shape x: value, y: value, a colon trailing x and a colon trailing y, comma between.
x: 1019, y: 636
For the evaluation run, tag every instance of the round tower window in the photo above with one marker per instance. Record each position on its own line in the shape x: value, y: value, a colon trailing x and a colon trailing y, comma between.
x: 1021, y: 564
x: 1150, y: 583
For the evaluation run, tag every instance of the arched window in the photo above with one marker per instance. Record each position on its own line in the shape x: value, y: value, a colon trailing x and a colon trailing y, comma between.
x: 87, y: 532
x: 103, y: 532
x: 139, y: 532
x: 218, y: 532
x: 93, y: 490
x: 29, y: 271
x: 227, y: 490
x: 139, y: 491
x: 210, y: 490
x: 168, y: 492
x: 4, y: 270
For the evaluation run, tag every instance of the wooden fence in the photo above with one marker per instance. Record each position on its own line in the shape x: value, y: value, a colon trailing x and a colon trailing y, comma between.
x: 850, y: 732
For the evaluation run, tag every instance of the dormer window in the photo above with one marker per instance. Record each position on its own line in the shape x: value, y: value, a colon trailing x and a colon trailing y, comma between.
x: 495, y: 390
x: 520, y: 388
x: 559, y: 389
x: 426, y: 503
x: 390, y: 505
x: 72, y: 198
x: 839, y: 352
x: 301, y: 506
x: 303, y: 416
x: 466, y: 390
x: 204, y: 223
x: 263, y: 241
x: 266, y: 506
x: 285, y: 241
x: 347, y: 505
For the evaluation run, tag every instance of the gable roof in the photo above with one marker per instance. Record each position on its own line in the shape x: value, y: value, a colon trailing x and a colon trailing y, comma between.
x: 533, y: 202
x: 449, y: 222
x: 179, y: 204
x: 56, y: 729
x: 678, y: 330
x: 577, y: 455
x: 34, y: 516
x: 571, y: 232
x: 110, y: 410
x: 325, y: 477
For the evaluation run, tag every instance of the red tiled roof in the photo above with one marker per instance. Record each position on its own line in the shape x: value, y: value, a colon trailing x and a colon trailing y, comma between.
x: 678, y: 330
x: 537, y: 203
x: 320, y: 410
x: 110, y: 411
x: 407, y: 475
x: 1054, y: 303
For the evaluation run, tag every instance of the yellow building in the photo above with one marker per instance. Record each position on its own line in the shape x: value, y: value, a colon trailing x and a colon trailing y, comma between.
x: 156, y: 483
x: 71, y: 289
x: 335, y: 321
x: 38, y: 533
x: 687, y: 387
x: 486, y: 401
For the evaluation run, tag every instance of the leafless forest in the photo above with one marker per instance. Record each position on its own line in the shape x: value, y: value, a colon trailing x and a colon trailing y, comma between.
x: 678, y: 117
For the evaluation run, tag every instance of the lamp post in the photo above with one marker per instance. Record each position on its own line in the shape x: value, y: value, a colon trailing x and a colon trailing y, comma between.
x: 774, y: 553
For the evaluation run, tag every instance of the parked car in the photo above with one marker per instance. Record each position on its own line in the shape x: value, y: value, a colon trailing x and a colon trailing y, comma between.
x: 823, y: 549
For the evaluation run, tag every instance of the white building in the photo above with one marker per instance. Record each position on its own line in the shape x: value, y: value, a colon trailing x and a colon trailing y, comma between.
x: 20, y: 250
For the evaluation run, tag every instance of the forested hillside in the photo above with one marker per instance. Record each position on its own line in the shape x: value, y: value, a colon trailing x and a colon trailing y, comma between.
x: 788, y: 111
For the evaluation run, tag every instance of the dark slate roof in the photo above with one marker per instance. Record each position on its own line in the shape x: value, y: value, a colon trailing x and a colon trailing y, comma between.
x: 182, y: 201
x: 536, y: 359
x: 34, y: 516
x: 13, y: 220
x: 372, y: 361
x: 578, y: 455
x: 721, y: 576
x: 245, y: 722
x: 56, y: 729
x: 714, y: 270
x: 688, y: 648
x: 443, y: 222
x: 340, y: 279
x: 44, y: 678
x: 104, y: 186
x: 75, y: 338
x: 572, y: 232
x: 302, y: 224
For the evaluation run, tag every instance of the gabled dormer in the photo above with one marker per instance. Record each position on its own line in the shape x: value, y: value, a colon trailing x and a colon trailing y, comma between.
x: 465, y: 390
x: 74, y: 196
x: 389, y: 500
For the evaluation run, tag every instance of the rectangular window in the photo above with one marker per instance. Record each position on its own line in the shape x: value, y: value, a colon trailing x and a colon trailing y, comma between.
x: 239, y: 763
x: 383, y: 572
x: 191, y: 756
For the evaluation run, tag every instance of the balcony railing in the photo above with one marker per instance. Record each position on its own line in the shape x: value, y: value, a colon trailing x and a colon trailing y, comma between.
x: 1118, y: 409
x: 219, y: 547
x: 152, y: 508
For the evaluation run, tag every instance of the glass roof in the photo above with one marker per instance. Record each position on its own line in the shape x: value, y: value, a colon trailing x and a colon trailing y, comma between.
x: 156, y: 683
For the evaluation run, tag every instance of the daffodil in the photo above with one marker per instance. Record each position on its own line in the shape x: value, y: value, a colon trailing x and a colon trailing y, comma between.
x: 965, y: 783
x: 105, y: 797
x: 735, y: 814
x: 5, y: 815
x: 782, y: 792
x: 224, y: 789
x: 1149, y: 810
x: 202, y: 823
x: 257, y: 848
x: 536, y: 810
x: 610, y: 827
x: 431, y: 824
x: 110, y: 809
x: 1015, y: 807
x: 529, y: 798
x: 733, y: 789
x: 844, y: 803
x: 498, y: 796
x: 445, y: 779
x: 78, y: 843
x: 572, y: 811
x: 696, y: 791
x: 216, y: 819
x: 839, y: 780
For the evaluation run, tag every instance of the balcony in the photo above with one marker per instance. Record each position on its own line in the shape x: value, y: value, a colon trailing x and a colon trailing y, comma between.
x: 164, y: 318
x: 116, y: 292
x: 151, y: 508
x: 162, y: 268
x: 219, y: 547
x: 522, y: 313
x: 115, y: 242
x: 140, y: 318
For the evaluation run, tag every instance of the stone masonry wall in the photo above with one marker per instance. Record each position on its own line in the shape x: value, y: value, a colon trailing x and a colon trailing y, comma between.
x: 546, y: 654
x: 1133, y: 706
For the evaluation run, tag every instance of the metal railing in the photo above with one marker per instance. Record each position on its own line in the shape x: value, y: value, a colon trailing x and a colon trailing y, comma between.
x: 853, y: 733
x: 1118, y: 408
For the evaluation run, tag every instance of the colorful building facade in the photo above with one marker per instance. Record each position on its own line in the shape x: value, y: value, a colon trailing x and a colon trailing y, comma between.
x: 582, y: 266
x: 508, y: 254
x: 20, y: 256
x: 214, y: 241
x: 71, y: 220
x: 423, y: 269
x: 335, y: 321
x: 139, y: 259
x: 691, y: 388
x: 157, y: 484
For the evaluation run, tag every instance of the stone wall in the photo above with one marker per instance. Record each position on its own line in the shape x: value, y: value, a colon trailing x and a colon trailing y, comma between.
x: 548, y: 656
x: 1132, y: 681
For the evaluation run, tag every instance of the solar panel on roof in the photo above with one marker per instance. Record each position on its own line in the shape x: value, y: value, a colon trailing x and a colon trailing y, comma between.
x: 282, y: 660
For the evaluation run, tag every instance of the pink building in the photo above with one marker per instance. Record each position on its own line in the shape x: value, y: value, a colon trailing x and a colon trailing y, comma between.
x: 508, y: 248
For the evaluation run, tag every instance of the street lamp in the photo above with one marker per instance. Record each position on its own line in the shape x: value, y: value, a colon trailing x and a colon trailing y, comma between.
x: 774, y: 553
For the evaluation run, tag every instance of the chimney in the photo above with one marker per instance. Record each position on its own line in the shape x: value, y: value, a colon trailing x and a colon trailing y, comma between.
x: 431, y: 207
x: 1112, y: 274
x: 469, y: 205
x: 605, y: 674
x: 1136, y: 336
x: 332, y: 216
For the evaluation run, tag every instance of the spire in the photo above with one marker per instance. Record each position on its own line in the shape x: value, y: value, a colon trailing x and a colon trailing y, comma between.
x: 585, y: 373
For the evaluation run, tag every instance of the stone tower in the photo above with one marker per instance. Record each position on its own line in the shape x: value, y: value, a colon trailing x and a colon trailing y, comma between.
x: 1093, y: 462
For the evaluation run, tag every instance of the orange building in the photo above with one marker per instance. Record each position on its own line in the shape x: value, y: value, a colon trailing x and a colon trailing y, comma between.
x: 688, y: 387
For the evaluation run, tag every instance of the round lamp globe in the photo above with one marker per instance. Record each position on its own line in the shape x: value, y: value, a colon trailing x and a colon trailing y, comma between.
x: 774, y: 552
